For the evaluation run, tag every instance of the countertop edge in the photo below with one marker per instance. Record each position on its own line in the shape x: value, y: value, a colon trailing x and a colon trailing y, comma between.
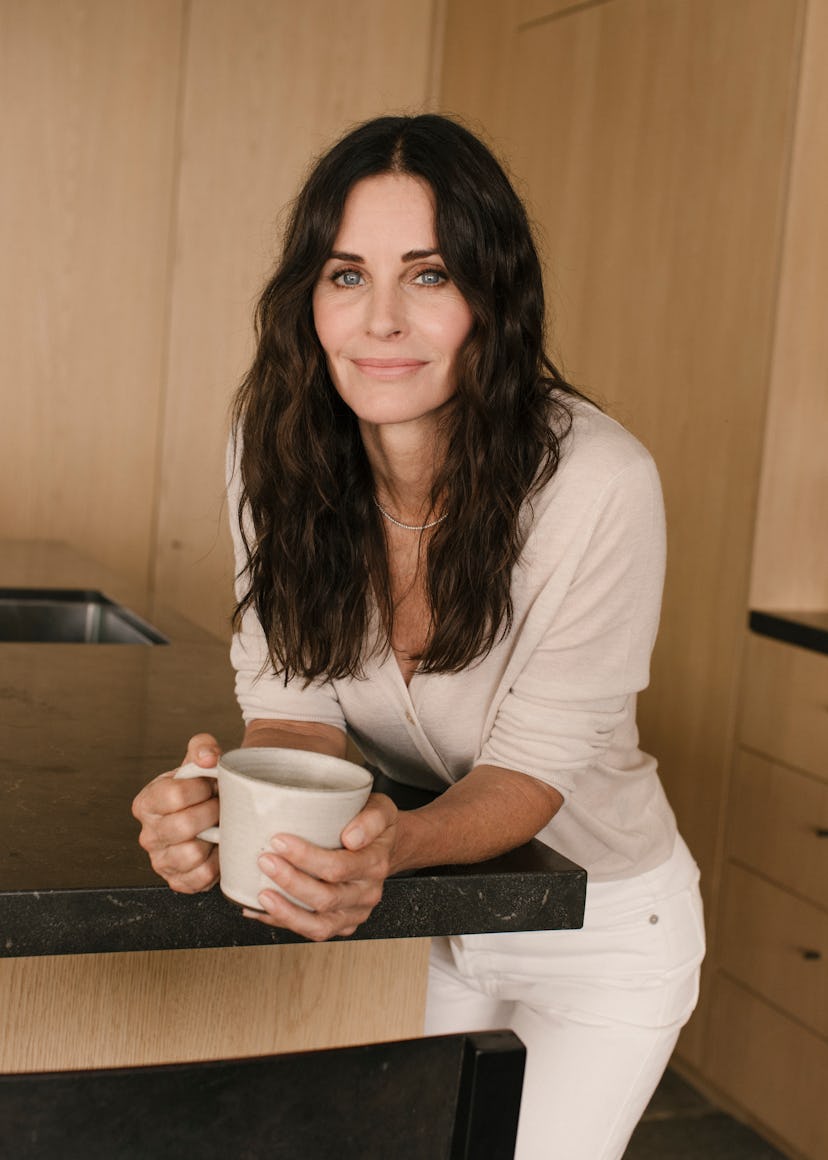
x: 151, y: 918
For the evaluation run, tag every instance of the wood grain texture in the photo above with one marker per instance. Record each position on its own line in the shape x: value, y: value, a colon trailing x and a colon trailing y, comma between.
x: 784, y: 711
x: 268, y: 85
x: 662, y: 236
x: 88, y: 94
x: 766, y: 933
x: 651, y: 141
x: 532, y: 11
x: 772, y: 1068
x: 477, y: 45
x: 790, y: 562
x: 777, y: 817
x: 76, y: 1011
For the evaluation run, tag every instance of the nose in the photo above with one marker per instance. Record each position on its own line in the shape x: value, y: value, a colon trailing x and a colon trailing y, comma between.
x: 386, y: 311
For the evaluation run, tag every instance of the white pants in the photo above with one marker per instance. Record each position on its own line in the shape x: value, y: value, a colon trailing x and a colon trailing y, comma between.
x: 599, y: 1009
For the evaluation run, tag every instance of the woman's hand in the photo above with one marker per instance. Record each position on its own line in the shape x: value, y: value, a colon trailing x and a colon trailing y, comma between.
x: 341, y: 887
x: 172, y: 813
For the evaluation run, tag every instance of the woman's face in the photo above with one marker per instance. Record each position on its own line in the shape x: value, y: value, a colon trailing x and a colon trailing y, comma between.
x: 387, y: 314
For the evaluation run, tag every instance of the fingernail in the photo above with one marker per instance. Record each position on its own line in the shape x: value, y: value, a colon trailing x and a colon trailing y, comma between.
x: 277, y: 845
x: 356, y: 837
x: 205, y: 752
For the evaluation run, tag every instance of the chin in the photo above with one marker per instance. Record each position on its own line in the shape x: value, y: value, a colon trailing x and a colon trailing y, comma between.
x: 393, y: 411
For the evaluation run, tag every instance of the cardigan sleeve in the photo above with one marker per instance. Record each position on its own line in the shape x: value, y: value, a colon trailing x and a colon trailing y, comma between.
x: 563, y: 708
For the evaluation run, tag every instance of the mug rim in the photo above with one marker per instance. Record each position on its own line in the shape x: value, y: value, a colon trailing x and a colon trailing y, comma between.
x: 365, y: 781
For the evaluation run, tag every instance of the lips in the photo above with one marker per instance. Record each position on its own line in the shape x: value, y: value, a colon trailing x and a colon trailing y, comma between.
x: 388, y: 368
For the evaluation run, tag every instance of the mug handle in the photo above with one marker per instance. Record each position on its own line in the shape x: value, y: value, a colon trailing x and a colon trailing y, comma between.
x: 190, y: 769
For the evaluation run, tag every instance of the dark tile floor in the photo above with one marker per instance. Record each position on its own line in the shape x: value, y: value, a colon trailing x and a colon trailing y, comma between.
x: 680, y: 1124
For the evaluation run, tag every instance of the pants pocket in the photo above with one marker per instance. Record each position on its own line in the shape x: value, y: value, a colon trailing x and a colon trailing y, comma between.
x: 639, y: 968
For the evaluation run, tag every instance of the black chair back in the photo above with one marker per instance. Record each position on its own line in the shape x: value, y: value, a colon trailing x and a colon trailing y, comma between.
x: 450, y: 1097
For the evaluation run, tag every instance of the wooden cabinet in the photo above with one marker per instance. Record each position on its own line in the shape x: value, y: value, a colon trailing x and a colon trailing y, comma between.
x: 784, y: 711
x: 771, y: 1068
x: 60, y: 1012
x: 768, y: 1034
x: 776, y: 944
x: 778, y: 823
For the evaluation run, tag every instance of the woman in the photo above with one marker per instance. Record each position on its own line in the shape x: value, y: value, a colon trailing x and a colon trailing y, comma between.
x: 446, y: 551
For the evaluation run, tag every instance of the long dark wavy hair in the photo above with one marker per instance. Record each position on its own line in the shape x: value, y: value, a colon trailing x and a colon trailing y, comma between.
x: 317, y: 571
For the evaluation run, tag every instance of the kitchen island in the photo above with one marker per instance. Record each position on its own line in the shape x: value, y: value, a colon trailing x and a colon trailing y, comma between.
x: 100, y: 963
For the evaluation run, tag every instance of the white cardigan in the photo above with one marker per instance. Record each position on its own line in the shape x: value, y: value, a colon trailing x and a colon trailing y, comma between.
x: 556, y: 698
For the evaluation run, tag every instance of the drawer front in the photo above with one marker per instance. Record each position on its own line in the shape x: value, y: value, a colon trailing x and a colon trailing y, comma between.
x: 778, y: 825
x: 777, y: 945
x: 784, y: 711
x: 772, y: 1067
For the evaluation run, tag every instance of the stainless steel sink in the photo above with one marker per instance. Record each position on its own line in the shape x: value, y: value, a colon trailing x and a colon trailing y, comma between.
x: 70, y: 616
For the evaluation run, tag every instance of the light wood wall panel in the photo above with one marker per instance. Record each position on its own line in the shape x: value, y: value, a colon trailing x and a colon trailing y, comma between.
x: 88, y: 92
x: 651, y: 139
x: 790, y: 565
x: 649, y: 174
x: 268, y: 84
x: 474, y: 82
x: 534, y: 11
x: 644, y: 134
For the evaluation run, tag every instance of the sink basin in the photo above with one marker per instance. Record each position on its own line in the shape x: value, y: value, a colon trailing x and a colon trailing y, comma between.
x: 70, y: 616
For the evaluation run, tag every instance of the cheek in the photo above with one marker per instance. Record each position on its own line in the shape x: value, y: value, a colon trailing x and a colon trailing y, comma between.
x: 457, y: 327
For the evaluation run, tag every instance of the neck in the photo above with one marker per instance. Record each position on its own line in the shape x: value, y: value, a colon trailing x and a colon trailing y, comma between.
x: 404, y: 460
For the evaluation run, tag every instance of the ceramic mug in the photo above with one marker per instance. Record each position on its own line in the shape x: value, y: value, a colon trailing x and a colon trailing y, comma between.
x: 269, y: 791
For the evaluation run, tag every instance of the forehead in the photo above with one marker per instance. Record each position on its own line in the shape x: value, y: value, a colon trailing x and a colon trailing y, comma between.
x: 389, y: 209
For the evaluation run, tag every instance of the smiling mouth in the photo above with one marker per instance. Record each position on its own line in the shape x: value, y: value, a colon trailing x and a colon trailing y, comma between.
x: 388, y: 368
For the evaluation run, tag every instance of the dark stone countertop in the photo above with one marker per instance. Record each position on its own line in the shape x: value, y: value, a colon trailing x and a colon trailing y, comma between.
x: 804, y: 629
x: 83, y: 727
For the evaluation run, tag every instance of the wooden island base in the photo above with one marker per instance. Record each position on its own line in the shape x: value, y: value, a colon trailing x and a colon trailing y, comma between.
x: 110, y: 1010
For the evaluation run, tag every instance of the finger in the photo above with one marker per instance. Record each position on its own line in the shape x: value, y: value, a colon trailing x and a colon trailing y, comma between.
x: 189, y: 868
x: 167, y: 795
x: 196, y: 881
x: 377, y: 815
x: 184, y: 825
x: 280, y: 912
x: 320, y: 896
x: 180, y: 860
x: 335, y: 866
x: 203, y: 749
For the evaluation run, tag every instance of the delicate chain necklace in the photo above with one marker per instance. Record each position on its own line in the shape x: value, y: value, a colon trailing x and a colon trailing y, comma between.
x: 410, y: 527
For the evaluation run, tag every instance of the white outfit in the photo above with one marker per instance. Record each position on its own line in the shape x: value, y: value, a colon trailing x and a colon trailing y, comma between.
x: 599, y: 1009
x: 554, y: 699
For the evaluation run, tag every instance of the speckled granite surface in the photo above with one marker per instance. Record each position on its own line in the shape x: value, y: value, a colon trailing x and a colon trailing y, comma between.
x: 83, y: 727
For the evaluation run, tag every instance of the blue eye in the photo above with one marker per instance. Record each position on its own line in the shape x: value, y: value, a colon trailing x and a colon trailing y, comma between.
x: 432, y: 277
x: 347, y: 278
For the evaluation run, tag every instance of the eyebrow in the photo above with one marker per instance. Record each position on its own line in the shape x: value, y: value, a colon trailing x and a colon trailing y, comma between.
x: 408, y: 256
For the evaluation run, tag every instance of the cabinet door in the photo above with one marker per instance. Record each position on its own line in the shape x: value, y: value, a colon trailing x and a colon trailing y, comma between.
x: 784, y: 710
x: 778, y: 825
x: 777, y: 945
x: 772, y: 1066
